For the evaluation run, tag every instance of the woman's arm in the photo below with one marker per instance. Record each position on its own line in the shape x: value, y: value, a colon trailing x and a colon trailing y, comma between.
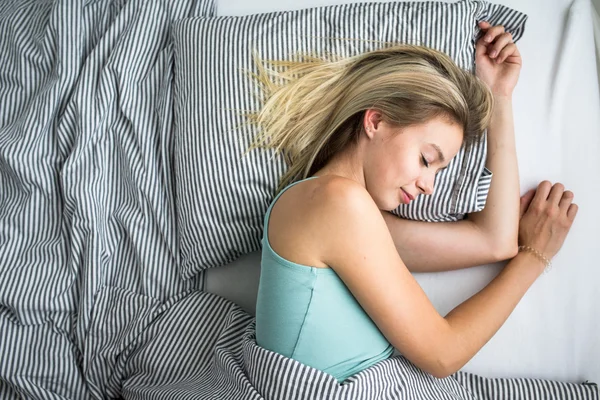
x: 491, y: 234
x: 484, y: 237
x: 358, y: 246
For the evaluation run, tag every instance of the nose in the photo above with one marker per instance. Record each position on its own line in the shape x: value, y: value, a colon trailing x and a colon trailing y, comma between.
x: 425, y: 184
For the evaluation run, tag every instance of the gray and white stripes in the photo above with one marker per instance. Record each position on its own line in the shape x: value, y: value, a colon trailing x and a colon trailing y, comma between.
x: 86, y: 198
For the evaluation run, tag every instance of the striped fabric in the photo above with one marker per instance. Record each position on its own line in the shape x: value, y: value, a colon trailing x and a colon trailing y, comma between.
x: 86, y: 198
x: 202, y: 346
x: 221, y: 197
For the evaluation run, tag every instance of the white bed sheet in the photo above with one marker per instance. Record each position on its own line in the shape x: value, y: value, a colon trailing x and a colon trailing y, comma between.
x: 554, y: 333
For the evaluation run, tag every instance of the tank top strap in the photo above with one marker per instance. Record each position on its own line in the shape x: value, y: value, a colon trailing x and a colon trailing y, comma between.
x: 268, y: 213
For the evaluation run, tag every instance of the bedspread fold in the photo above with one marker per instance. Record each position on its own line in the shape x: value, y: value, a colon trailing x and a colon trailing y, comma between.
x: 203, y: 346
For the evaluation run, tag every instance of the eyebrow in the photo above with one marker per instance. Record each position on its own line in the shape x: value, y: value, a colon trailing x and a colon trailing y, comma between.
x: 439, y: 152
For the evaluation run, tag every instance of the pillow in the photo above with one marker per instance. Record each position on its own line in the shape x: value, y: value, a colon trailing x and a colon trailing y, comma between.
x: 221, y: 195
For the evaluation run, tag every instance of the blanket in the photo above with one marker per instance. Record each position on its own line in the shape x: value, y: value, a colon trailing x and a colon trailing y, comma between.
x: 202, y: 346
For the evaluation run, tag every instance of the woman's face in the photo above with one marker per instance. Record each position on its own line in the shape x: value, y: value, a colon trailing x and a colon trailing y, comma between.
x: 400, y: 163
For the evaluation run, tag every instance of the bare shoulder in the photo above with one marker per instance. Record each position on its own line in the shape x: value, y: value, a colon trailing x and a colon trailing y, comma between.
x: 352, y: 220
x: 338, y: 202
x: 344, y: 203
x: 358, y: 245
x: 342, y: 192
x: 344, y: 215
x: 307, y: 214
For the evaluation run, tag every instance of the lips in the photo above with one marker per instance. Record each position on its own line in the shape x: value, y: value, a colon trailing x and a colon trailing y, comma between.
x: 407, y: 197
x: 410, y: 196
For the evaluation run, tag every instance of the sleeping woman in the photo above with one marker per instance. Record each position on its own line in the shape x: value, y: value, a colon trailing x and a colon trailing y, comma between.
x: 362, y: 135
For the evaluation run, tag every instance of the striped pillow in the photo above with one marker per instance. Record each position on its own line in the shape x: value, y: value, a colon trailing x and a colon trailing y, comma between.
x: 221, y: 196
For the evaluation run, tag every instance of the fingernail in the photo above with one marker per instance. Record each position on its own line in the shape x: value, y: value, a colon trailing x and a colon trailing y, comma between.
x: 493, y: 53
x: 488, y: 38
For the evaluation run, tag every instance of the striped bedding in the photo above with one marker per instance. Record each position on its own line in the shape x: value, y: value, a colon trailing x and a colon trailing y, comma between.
x: 85, y: 177
x: 202, y: 346
x: 92, y: 305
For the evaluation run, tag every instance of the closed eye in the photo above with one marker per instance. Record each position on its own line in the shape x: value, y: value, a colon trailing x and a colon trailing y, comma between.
x: 425, y: 163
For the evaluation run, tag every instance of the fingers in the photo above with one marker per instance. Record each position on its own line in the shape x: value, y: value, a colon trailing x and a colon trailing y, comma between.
x: 572, y: 212
x: 499, y: 44
x: 480, y: 44
x: 526, y: 200
x: 492, y: 33
x: 541, y: 194
x: 556, y: 193
x: 565, y: 200
x: 480, y: 48
x: 508, y: 51
x: 567, y: 206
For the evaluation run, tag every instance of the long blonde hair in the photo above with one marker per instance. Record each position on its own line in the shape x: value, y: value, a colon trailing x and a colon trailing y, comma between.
x: 313, y: 107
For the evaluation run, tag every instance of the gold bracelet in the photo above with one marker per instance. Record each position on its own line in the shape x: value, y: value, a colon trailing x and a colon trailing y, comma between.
x: 539, y: 255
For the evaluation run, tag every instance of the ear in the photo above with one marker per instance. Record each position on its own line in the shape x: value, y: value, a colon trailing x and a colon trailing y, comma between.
x: 371, y: 122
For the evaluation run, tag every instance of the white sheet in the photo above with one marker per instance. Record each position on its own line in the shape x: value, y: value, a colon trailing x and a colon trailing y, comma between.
x: 554, y: 331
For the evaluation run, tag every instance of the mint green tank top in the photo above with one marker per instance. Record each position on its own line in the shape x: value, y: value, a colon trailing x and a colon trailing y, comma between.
x: 308, y: 314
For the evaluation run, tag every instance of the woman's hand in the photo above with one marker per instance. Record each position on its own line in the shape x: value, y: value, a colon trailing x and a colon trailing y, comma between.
x: 547, y: 214
x: 497, y: 59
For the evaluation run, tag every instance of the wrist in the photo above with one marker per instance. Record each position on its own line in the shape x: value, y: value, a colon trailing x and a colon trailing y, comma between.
x: 532, y: 262
x: 535, y: 257
x: 502, y: 113
x: 502, y: 97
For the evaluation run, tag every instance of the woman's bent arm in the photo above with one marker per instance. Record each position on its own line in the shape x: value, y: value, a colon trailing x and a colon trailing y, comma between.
x: 500, y: 216
x: 484, y: 237
x: 490, y: 235
x: 547, y: 217
x: 355, y: 242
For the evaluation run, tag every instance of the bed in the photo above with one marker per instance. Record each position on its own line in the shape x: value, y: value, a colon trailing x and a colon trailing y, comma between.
x: 92, y: 303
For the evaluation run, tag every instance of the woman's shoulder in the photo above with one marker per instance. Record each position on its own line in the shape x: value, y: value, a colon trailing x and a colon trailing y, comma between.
x: 309, y: 212
x: 325, y: 194
x: 340, y: 197
x: 312, y: 201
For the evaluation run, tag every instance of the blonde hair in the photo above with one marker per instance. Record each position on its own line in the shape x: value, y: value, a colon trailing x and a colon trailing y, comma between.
x: 313, y: 107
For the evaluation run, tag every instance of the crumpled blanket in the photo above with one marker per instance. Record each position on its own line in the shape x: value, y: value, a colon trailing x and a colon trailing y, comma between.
x: 202, y: 346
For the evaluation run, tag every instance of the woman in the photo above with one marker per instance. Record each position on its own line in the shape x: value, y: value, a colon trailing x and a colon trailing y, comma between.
x: 363, y: 135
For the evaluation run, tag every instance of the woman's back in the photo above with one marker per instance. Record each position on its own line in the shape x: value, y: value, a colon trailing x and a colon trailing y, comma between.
x: 304, y: 310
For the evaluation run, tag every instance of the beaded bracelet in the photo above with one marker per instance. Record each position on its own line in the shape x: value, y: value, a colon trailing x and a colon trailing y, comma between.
x: 539, y: 255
